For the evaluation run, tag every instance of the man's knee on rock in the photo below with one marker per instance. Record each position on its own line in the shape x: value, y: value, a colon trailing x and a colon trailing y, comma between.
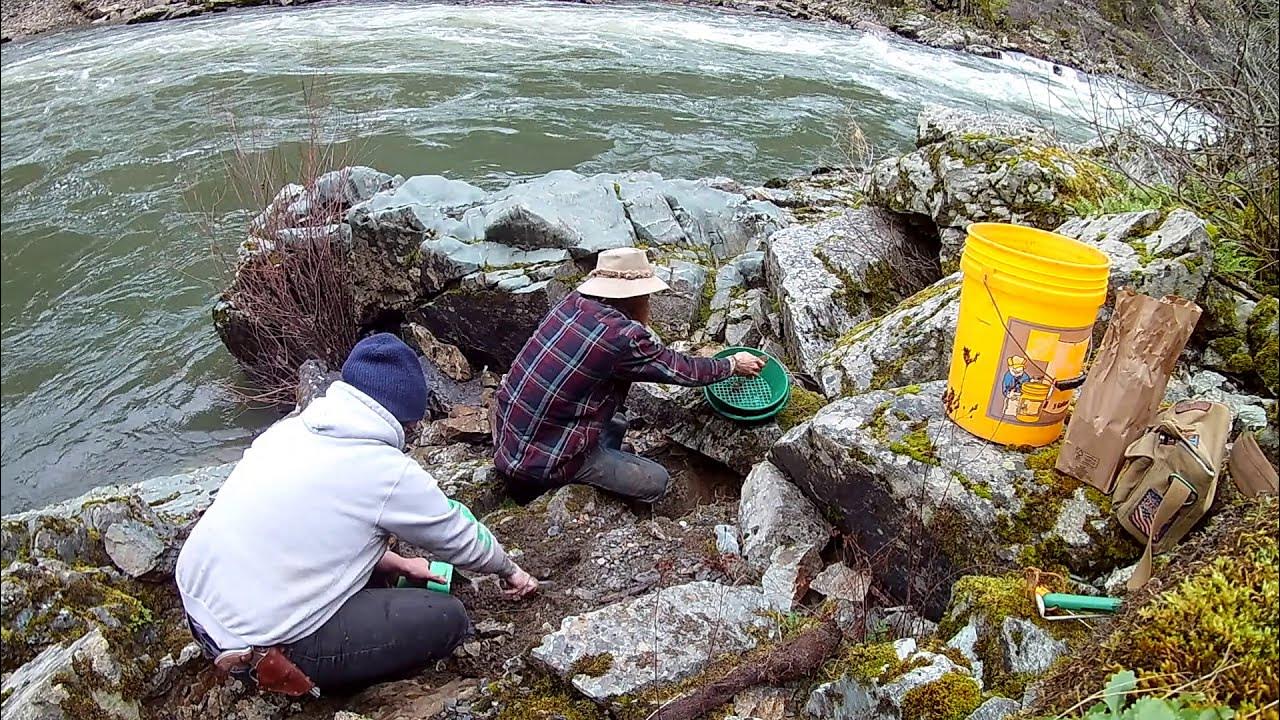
x: 651, y: 481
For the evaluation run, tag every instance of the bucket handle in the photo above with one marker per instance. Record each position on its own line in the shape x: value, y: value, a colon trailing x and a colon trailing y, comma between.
x: 1071, y: 383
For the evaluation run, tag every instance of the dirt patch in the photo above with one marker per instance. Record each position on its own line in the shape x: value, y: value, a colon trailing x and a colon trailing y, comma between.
x: 590, y: 549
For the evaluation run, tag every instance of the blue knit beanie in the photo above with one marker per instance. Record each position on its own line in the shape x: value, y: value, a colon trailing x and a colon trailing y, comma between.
x: 384, y: 368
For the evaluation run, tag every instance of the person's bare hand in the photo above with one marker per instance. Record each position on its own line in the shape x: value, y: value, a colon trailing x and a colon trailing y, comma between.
x: 747, y: 365
x: 419, y: 569
x: 519, y: 584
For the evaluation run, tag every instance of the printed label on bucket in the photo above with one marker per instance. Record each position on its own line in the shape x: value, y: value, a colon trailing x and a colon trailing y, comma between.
x: 1034, y: 359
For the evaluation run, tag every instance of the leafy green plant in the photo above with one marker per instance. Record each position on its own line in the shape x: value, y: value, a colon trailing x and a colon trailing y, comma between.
x: 1118, y: 703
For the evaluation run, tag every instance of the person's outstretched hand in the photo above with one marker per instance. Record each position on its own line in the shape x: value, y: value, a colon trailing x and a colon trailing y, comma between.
x: 747, y: 365
x: 519, y: 584
x: 419, y: 570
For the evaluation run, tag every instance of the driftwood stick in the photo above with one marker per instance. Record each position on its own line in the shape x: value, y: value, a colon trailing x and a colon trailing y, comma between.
x: 787, y: 661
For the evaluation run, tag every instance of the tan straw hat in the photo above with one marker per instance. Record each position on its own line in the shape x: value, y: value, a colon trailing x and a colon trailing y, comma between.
x: 622, y: 273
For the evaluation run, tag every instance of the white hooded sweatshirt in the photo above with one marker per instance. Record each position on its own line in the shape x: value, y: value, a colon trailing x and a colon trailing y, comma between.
x: 299, y: 525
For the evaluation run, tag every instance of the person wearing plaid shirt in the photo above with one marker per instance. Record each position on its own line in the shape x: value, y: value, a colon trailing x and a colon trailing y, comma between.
x: 559, y: 412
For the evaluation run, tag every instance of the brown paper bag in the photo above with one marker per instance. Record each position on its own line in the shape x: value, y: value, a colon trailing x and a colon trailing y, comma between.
x: 1126, y: 384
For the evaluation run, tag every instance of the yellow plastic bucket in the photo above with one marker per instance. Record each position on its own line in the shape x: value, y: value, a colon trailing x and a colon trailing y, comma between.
x: 1027, y: 306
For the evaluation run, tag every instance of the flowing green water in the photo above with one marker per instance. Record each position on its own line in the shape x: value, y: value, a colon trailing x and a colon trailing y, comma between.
x: 115, y: 142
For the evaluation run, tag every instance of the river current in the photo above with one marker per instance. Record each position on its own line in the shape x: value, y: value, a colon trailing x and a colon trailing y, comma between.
x: 116, y: 143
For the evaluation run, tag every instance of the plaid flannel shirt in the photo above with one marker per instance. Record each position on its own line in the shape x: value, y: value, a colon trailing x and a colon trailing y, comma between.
x: 571, y: 377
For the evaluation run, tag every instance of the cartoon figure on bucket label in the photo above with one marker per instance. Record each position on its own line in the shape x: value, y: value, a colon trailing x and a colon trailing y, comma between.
x: 1014, y: 380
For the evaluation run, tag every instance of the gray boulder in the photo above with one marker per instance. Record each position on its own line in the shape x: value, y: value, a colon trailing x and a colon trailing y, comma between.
x: 1250, y: 412
x: 909, y: 345
x: 881, y: 461
x: 715, y: 221
x: 180, y: 499
x: 560, y: 210
x: 729, y: 286
x: 1003, y: 174
x: 622, y: 637
x: 828, y: 277
x: 1154, y: 255
x: 727, y: 540
x: 490, y: 315
x: 651, y: 215
x: 841, y: 582
x: 740, y: 325
x: 676, y: 311
x: 338, y: 190
x: 750, y: 267
x: 683, y: 416
x: 787, y: 578
x: 314, y: 379
x: 322, y: 203
x: 73, y: 530
x: 938, y: 123
x: 995, y: 708
x: 773, y: 513
x: 449, y: 197
x: 139, y: 550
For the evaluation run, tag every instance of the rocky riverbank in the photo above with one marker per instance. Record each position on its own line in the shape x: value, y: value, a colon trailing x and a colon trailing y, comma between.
x: 860, y: 503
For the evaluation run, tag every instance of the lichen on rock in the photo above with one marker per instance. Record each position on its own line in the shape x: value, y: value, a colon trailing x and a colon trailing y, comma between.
x: 882, y: 459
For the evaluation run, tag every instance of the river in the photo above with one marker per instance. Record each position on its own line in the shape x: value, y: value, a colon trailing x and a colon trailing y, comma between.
x: 116, y: 143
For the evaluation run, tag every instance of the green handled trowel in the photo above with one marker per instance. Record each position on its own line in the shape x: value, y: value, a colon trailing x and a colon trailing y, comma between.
x: 439, y: 569
x: 1063, y: 606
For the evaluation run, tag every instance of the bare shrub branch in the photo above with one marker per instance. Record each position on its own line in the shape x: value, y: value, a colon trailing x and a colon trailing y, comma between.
x: 289, y: 296
x: 1227, y: 173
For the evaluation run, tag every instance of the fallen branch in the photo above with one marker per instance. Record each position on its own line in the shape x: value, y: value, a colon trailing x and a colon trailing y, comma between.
x: 788, y: 660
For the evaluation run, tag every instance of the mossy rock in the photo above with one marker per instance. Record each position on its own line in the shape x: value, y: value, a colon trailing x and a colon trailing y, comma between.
x: 803, y: 405
x: 864, y: 662
x: 542, y: 698
x: 951, y: 697
x: 1215, y: 605
x: 1229, y: 354
x: 988, y: 603
x: 1263, y: 344
x: 883, y: 459
x: 49, y: 602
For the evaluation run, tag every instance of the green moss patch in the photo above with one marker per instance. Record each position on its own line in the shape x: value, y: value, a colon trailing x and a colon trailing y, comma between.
x: 804, y: 404
x: 543, y: 698
x: 592, y: 665
x: 916, y: 445
x: 951, y: 697
x: 1261, y: 333
x: 1234, y: 353
x: 997, y: 598
x: 866, y: 663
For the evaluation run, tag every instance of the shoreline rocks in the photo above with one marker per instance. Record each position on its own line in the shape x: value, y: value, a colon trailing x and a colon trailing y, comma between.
x: 872, y: 506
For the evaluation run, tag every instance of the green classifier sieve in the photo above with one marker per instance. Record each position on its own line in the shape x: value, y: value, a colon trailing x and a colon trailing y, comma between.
x: 751, y: 398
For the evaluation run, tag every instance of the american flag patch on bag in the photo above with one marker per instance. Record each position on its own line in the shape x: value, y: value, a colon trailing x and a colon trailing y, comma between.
x: 1144, y: 513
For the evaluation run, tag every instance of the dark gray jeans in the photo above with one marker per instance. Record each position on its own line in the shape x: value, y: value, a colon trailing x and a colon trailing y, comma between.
x: 608, y: 468
x: 379, y: 634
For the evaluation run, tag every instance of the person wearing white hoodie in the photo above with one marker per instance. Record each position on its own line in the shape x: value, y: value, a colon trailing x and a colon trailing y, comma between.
x: 285, y: 555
